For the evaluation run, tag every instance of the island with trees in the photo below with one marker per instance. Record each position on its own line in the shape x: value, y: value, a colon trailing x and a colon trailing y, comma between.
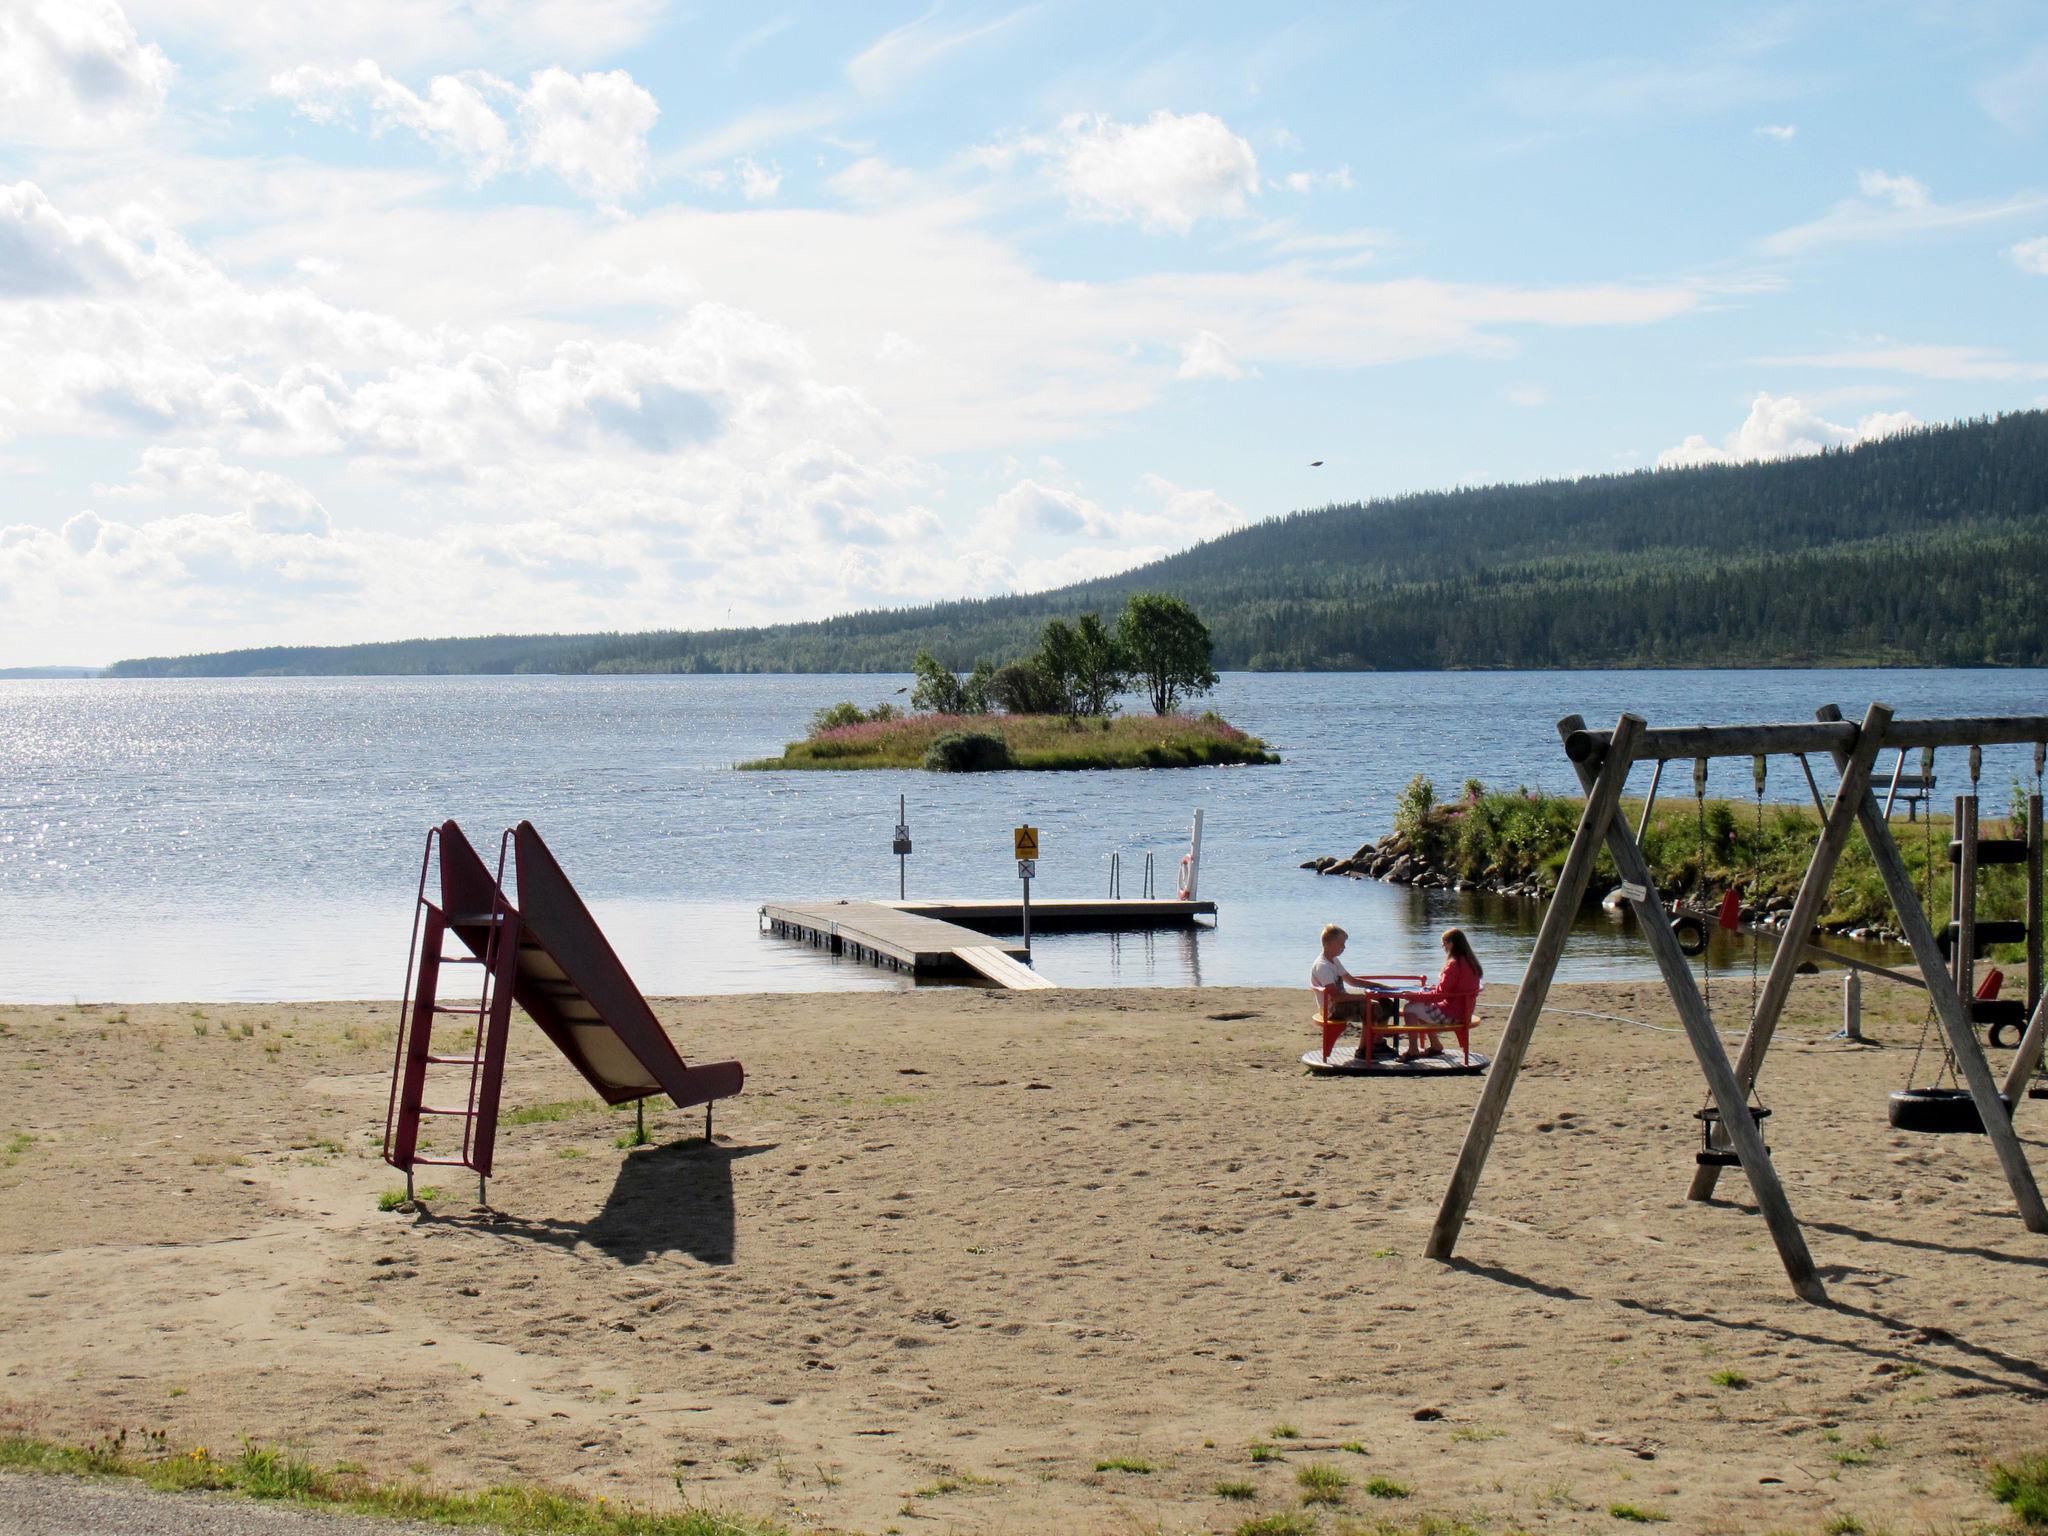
x: 1056, y: 708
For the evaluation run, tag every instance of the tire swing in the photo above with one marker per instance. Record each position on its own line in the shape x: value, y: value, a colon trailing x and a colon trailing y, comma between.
x: 1687, y: 925
x: 1934, y: 1110
x: 1715, y: 1153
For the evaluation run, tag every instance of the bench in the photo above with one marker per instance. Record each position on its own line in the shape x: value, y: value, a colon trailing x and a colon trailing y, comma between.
x: 1913, y: 788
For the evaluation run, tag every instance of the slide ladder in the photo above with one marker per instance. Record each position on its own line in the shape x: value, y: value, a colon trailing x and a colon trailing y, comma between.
x: 463, y: 1081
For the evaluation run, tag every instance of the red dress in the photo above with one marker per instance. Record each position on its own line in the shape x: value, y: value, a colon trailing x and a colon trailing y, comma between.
x: 1456, y: 991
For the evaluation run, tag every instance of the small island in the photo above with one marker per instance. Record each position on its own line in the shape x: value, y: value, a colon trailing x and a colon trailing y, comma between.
x: 1055, y: 709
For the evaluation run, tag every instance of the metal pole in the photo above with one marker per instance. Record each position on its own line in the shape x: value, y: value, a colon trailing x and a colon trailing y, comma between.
x: 1027, y: 912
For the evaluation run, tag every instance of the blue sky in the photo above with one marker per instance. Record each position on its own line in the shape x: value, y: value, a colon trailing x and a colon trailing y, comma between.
x: 398, y: 317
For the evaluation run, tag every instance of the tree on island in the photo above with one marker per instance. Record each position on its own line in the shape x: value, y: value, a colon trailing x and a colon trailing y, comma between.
x: 1167, y: 648
x: 1083, y: 664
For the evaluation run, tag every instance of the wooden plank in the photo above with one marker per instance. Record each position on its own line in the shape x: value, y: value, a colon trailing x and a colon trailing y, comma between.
x: 1075, y: 914
x: 1836, y: 829
x: 1000, y: 968
x: 1746, y: 740
x: 1602, y: 796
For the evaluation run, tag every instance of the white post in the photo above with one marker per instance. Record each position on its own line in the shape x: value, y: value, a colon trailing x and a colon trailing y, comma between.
x: 1194, y: 859
x: 1852, y: 1006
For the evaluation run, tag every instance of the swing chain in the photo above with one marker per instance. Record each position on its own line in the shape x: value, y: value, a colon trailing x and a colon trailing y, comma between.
x: 1699, y: 800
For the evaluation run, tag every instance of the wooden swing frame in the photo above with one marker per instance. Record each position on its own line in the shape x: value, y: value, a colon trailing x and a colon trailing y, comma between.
x: 1602, y: 760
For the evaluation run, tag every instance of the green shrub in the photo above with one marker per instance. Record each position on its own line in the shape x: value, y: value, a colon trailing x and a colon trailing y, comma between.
x: 2023, y: 1487
x: 967, y: 752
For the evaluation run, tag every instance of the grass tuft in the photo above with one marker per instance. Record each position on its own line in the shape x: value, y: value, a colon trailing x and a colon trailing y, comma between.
x: 1731, y: 1379
x: 1321, y: 1483
x: 543, y: 1114
x: 1126, y: 1464
x: 1235, y: 1491
x: 2022, y: 1486
x: 1387, y: 1488
x: 264, y: 1473
x: 1287, y: 1523
x: 1636, y: 1514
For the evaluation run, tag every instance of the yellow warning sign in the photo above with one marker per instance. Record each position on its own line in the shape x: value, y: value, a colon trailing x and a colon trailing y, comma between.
x: 1027, y: 842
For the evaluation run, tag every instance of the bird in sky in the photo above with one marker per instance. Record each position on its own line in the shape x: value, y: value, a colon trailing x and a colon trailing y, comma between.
x: 1315, y: 463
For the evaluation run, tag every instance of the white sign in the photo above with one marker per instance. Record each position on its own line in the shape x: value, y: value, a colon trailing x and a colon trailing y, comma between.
x: 1635, y: 892
x: 1027, y: 869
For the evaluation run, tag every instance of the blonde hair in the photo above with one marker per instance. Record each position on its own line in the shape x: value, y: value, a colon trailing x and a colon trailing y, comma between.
x: 1332, y: 931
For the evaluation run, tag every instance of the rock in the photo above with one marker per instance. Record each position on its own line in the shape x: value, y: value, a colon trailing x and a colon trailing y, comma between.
x: 1401, y: 871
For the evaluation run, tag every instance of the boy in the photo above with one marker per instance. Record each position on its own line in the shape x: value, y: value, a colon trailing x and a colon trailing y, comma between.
x: 1328, y: 978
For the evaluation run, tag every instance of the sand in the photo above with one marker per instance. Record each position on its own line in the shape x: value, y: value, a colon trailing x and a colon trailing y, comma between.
x: 953, y: 1251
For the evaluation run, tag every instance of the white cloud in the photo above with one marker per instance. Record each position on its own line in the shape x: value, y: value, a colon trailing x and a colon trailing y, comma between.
x: 1782, y: 427
x: 1903, y: 192
x: 591, y: 130
x: 1528, y: 396
x: 2031, y: 256
x: 1778, y: 133
x: 758, y: 182
x: 1208, y: 356
x: 455, y: 116
x: 1313, y: 181
x: 1927, y: 362
x: 268, y: 502
x: 900, y: 56
x: 413, y: 36
x: 1165, y: 173
x: 73, y: 71
x: 2018, y: 96
x: 1894, y: 207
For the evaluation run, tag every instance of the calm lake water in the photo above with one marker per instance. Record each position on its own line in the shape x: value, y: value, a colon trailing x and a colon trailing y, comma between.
x: 260, y: 839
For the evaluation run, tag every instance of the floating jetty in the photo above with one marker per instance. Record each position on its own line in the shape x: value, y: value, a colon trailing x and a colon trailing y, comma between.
x: 951, y: 938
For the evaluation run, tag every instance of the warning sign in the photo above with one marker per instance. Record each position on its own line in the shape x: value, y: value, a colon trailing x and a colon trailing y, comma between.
x: 1027, y: 842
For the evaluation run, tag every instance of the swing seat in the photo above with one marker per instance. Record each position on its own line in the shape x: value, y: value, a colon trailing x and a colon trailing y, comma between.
x: 1711, y: 1156
x: 1939, y: 1111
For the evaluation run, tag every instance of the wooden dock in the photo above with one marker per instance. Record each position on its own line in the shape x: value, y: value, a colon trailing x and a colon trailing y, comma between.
x: 881, y: 934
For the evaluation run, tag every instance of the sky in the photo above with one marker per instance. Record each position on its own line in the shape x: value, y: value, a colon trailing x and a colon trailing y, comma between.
x: 384, y: 318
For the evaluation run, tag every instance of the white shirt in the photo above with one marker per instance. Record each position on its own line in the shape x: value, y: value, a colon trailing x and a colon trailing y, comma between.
x: 1326, y: 973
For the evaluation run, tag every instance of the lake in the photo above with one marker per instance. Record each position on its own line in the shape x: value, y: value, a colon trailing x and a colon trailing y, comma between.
x: 258, y: 839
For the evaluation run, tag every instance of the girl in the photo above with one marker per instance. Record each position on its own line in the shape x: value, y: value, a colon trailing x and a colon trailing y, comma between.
x: 1453, y: 997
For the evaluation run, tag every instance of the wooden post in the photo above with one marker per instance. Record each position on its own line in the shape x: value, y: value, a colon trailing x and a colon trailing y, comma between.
x: 1730, y: 1097
x: 1955, y: 1018
x: 2033, y: 902
x: 1963, y: 915
x: 1602, y: 797
x: 2021, y: 1069
x: 1806, y: 909
x: 1852, y: 1006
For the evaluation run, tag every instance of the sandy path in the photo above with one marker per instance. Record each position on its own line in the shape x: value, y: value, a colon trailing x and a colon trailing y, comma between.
x: 953, y: 1250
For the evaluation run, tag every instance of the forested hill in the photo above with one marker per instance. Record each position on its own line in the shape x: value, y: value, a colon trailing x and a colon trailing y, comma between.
x: 1926, y: 548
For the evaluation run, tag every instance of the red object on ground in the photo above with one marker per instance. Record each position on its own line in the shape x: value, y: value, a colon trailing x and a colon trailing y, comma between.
x: 1987, y: 989
x: 1731, y: 908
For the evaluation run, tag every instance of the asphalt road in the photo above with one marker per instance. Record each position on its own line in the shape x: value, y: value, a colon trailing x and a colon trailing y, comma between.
x: 37, y: 1504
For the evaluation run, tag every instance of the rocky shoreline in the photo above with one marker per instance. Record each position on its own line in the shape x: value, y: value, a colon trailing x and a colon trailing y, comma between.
x: 1394, y: 860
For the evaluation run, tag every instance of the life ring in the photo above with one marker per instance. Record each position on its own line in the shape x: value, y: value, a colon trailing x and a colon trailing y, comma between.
x: 1185, y: 860
x: 1691, y: 933
x: 1939, y: 1111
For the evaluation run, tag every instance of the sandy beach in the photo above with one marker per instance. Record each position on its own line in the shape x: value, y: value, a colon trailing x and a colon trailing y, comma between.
x: 967, y: 1260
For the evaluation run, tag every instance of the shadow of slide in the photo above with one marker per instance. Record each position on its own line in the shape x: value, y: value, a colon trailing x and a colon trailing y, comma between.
x: 673, y: 1199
